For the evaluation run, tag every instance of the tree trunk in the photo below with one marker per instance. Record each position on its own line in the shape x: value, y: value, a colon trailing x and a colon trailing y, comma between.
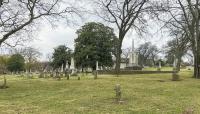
x: 196, y: 65
x: 178, y: 63
x: 118, y: 61
x: 118, y: 57
x: 194, y: 50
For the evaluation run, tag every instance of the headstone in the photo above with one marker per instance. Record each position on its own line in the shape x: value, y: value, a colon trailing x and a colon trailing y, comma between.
x: 67, y: 65
x: 72, y: 67
x: 4, y: 83
x: 96, y: 72
x: 72, y: 63
x: 68, y: 75
x: 118, y: 92
x: 160, y: 65
x: 188, y: 111
x: 175, y: 76
x: 97, y: 65
x: 62, y: 68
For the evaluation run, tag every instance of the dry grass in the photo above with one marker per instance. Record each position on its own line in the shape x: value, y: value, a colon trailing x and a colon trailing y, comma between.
x: 141, y: 94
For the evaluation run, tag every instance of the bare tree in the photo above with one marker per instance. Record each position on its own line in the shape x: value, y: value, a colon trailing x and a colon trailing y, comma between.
x: 147, y: 51
x: 31, y: 55
x: 18, y: 16
x: 3, y: 2
x: 126, y: 53
x: 124, y: 14
x: 185, y: 15
x: 177, y: 48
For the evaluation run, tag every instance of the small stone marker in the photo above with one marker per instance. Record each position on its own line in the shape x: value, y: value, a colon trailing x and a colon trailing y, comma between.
x: 175, y: 76
x: 79, y: 78
x: 96, y: 72
x: 62, y: 68
x: 4, y: 82
x: 4, y: 86
x: 68, y: 76
x: 72, y: 67
x: 188, y: 111
x: 159, y: 66
x: 118, y: 92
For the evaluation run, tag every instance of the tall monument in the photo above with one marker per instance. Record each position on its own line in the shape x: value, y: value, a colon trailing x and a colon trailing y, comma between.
x: 72, y: 66
x: 133, y: 56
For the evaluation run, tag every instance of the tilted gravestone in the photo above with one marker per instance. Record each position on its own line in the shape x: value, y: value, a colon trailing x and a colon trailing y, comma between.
x: 79, y: 78
x: 4, y: 86
x: 68, y: 76
x: 118, y: 92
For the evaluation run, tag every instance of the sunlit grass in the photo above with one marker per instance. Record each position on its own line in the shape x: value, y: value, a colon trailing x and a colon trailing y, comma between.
x: 142, y: 94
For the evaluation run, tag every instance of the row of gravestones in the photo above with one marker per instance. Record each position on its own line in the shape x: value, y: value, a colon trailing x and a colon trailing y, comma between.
x: 59, y: 75
x: 67, y: 73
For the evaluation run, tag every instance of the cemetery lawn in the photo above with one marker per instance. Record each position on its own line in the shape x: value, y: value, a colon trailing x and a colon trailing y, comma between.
x: 155, y: 69
x: 142, y: 94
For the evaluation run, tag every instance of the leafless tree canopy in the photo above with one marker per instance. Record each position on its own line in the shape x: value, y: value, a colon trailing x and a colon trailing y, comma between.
x: 20, y: 15
x: 125, y: 14
x: 184, y: 16
x: 3, y: 2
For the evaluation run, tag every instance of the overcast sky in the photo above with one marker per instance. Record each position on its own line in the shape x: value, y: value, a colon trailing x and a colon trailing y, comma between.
x: 48, y: 38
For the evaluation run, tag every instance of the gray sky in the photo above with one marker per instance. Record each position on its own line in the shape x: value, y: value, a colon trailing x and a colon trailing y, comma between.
x: 47, y: 38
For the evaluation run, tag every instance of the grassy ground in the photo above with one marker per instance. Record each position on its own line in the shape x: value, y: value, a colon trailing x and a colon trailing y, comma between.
x: 142, y: 94
x: 155, y: 69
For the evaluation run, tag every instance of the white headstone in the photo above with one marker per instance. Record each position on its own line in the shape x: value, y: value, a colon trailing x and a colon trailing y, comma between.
x: 66, y: 66
x: 72, y: 66
x: 62, y: 68
x: 97, y: 65
x: 175, y: 62
x: 160, y: 65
